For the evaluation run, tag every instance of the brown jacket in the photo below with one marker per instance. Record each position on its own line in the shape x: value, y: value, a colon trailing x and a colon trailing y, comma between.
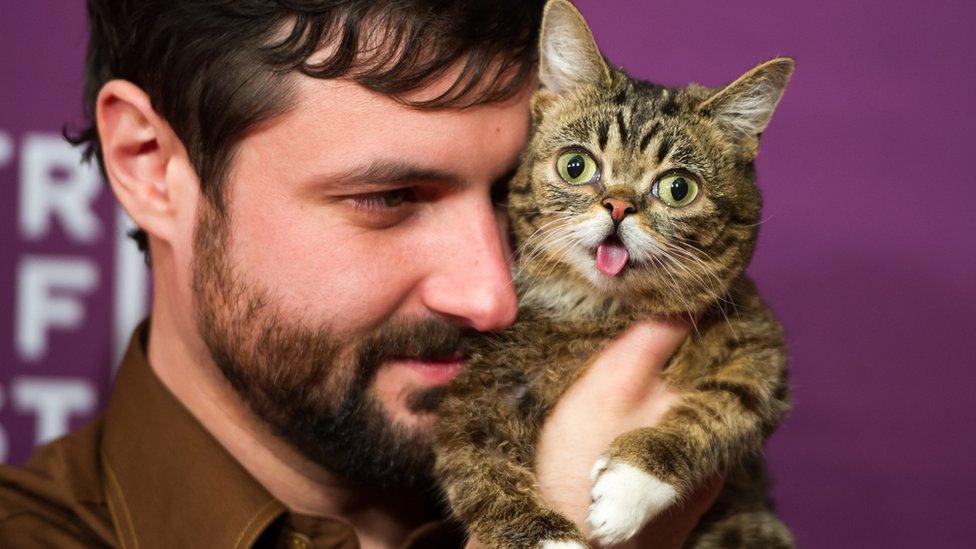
x: 146, y: 474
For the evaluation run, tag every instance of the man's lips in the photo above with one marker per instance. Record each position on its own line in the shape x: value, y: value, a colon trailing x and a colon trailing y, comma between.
x: 435, y: 371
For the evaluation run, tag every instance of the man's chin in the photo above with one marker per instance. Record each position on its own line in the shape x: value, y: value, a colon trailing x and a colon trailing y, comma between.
x: 416, y: 415
x: 374, y: 445
x: 411, y: 391
x: 426, y: 402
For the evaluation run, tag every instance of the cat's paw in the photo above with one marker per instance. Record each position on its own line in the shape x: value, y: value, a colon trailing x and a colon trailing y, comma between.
x: 624, y: 499
x: 598, y: 468
x: 562, y: 544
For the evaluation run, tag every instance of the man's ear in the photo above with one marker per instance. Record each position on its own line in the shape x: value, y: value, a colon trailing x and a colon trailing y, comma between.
x: 745, y: 106
x: 568, y: 54
x: 137, y: 148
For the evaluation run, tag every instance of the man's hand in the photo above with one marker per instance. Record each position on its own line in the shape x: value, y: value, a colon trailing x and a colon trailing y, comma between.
x: 622, y: 390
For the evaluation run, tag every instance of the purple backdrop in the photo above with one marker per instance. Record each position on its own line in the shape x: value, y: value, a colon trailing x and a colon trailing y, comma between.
x: 866, y: 249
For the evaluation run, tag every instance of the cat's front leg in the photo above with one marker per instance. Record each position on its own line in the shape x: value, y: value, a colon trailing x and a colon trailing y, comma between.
x: 625, y: 497
x: 496, y: 497
x: 648, y: 470
x: 484, y: 457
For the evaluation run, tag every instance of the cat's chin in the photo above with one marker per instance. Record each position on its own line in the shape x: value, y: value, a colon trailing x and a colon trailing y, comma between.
x: 636, y: 288
x: 582, y: 289
x: 608, y: 278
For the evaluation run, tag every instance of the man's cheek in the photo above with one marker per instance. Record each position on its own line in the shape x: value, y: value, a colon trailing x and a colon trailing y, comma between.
x: 362, y: 292
x: 358, y: 303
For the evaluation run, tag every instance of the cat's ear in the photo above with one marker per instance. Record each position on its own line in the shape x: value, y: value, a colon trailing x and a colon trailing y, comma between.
x: 568, y: 55
x: 745, y: 106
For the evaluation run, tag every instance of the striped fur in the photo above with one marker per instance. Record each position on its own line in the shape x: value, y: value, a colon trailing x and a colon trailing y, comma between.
x: 686, y: 261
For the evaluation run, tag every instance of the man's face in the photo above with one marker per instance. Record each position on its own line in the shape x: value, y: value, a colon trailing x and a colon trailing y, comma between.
x: 358, y: 244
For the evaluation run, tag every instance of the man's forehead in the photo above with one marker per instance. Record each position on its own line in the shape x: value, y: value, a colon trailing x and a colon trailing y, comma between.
x: 444, y: 85
x: 338, y: 126
x: 328, y: 100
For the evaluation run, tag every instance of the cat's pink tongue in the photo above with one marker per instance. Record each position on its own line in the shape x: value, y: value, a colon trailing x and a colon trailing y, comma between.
x: 611, y: 257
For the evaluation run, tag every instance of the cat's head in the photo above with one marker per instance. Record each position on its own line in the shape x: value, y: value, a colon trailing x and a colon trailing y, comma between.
x: 639, y: 191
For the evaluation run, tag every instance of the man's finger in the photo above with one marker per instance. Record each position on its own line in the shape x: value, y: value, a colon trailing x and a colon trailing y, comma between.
x: 634, y: 361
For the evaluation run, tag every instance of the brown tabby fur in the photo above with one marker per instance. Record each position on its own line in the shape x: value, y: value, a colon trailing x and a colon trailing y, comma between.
x: 731, y: 370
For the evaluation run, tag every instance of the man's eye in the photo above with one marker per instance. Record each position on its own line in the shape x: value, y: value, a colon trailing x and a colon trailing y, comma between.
x: 499, y: 193
x: 384, y: 199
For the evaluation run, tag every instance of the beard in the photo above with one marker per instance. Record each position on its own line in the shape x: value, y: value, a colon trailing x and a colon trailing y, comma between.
x: 307, y: 384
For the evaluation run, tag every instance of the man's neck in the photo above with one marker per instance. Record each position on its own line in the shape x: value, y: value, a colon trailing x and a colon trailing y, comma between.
x: 179, y: 358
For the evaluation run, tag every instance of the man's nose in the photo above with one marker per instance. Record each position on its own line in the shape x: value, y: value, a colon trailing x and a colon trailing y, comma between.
x: 470, y: 280
x: 618, y: 208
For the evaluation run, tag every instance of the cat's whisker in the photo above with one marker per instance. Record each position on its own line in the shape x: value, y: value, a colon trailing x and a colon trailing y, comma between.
x: 546, y: 240
x: 545, y: 248
x: 554, y: 253
x: 558, y: 252
x: 547, y: 230
x: 695, y: 277
x: 561, y: 217
x: 678, y: 263
x: 704, y: 268
x: 711, y: 291
x: 526, y: 251
x: 687, y: 306
x: 727, y: 293
x: 756, y: 224
x: 688, y: 250
x: 557, y: 218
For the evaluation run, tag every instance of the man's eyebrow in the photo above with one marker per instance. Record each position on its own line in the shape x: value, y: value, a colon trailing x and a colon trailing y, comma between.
x: 392, y: 171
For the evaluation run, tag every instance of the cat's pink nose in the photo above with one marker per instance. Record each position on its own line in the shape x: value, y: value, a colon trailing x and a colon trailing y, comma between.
x: 618, y: 208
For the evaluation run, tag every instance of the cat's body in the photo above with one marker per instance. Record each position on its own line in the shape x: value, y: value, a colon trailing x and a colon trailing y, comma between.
x: 494, y: 415
x: 678, y: 162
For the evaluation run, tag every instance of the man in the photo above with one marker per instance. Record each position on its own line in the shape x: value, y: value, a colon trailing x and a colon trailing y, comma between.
x: 314, y: 183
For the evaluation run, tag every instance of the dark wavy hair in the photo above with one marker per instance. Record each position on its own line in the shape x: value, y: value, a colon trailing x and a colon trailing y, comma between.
x: 215, y: 68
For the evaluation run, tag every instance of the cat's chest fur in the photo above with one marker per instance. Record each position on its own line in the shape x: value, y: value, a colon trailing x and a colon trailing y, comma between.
x: 560, y: 300
x: 530, y: 364
x: 559, y: 332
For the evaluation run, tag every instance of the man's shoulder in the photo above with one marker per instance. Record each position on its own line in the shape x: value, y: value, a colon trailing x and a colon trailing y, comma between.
x: 57, y: 497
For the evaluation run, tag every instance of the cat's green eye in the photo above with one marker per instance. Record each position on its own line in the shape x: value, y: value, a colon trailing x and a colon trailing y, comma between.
x: 577, y: 168
x: 676, y: 190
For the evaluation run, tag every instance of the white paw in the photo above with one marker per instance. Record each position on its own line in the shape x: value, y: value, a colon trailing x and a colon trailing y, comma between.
x: 552, y: 544
x: 598, y: 468
x: 624, y: 499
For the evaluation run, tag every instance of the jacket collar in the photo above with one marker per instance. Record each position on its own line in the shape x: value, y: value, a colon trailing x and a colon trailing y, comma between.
x: 168, y: 482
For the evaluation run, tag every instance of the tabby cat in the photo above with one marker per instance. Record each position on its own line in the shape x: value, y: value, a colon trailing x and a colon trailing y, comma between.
x: 633, y: 201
